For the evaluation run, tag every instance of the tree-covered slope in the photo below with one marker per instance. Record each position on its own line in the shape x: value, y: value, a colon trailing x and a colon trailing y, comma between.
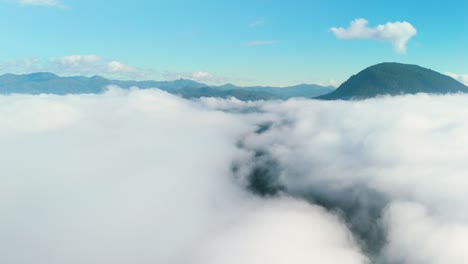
x: 395, y: 79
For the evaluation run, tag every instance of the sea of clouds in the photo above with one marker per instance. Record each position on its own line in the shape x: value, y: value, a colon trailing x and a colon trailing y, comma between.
x: 142, y: 176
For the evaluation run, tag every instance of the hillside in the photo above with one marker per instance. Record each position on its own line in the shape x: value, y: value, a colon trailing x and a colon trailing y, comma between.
x: 395, y: 79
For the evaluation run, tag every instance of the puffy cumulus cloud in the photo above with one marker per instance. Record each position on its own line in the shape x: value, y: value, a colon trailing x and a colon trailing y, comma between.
x: 52, y: 3
x: 141, y: 176
x: 398, y: 33
x: 202, y: 76
x: 334, y: 83
x: 198, y: 76
x: 78, y: 65
x: 93, y: 64
x: 463, y: 78
x: 394, y: 168
x: 22, y: 65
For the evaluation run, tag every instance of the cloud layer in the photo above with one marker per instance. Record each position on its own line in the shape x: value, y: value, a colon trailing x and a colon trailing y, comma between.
x: 393, y: 168
x: 141, y: 176
x: 397, y: 33
x: 144, y: 177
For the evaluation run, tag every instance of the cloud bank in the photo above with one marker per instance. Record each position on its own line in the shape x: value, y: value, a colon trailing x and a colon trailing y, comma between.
x: 397, y: 33
x: 393, y: 168
x: 141, y: 176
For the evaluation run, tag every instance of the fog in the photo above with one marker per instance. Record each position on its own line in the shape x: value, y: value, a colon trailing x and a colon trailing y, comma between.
x: 142, y: 176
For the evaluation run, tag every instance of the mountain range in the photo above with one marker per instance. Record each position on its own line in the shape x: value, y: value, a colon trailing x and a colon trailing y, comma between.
x: 376, y: 80
x: 45, y: 82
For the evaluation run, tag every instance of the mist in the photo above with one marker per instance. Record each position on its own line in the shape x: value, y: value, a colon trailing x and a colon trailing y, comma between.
x: 142, y: 176
x: 393, y: 168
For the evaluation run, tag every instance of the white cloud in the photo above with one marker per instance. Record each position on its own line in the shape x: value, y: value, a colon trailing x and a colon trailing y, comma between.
x: 463, y: 78
x: 142, y: 176
x: 260, y: 43
x: 205, y: 77
x: 257, y: 23
x: 330, y: 82
x: 298, y: 232
x: 78, y: 65
x: 417, y: 237
x: 198, y: 76
x: 334, y: 83
x: 394, y: 167
x: 398, y: 33
x: 93, y: 64
x: 22, y: 65
x: 52, y: 3
x: 201, y: 75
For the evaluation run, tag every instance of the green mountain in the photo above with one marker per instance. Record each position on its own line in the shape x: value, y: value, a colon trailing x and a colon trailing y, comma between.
x: 395, y: 79
x: 301, y: 90
x: 44, y: 82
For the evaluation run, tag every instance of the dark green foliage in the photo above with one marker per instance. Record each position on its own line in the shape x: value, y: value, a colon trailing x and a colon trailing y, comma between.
x: 395, y: 79
x: 264, y: 177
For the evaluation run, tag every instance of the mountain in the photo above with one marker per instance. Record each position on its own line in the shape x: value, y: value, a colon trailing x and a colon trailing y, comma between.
x: 241, y: 94
x: 44, y: 82
x: 301, y: 90
x: 395, y: 79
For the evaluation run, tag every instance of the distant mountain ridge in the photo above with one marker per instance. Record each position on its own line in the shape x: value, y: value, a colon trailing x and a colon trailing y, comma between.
x: 395, y: 79
x: 381, y: 79
x: 46, y: 82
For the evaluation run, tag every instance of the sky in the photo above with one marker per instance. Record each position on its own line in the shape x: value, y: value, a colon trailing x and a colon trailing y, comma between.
x: 242, y: 42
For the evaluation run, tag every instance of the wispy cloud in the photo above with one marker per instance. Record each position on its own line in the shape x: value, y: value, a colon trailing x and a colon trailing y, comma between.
x: 260, y: 43
x: 202, y: 76
x: 397, y: 33
x: 463, y: 78
x: 50, y: 3
x: 93, y: 64
x: 78, y: 65
x: 257, y: 23
x: 198, y: 76
x: 334, y: 83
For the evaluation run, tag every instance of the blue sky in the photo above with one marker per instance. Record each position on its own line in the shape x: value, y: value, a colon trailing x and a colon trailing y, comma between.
x: 244, y: 42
